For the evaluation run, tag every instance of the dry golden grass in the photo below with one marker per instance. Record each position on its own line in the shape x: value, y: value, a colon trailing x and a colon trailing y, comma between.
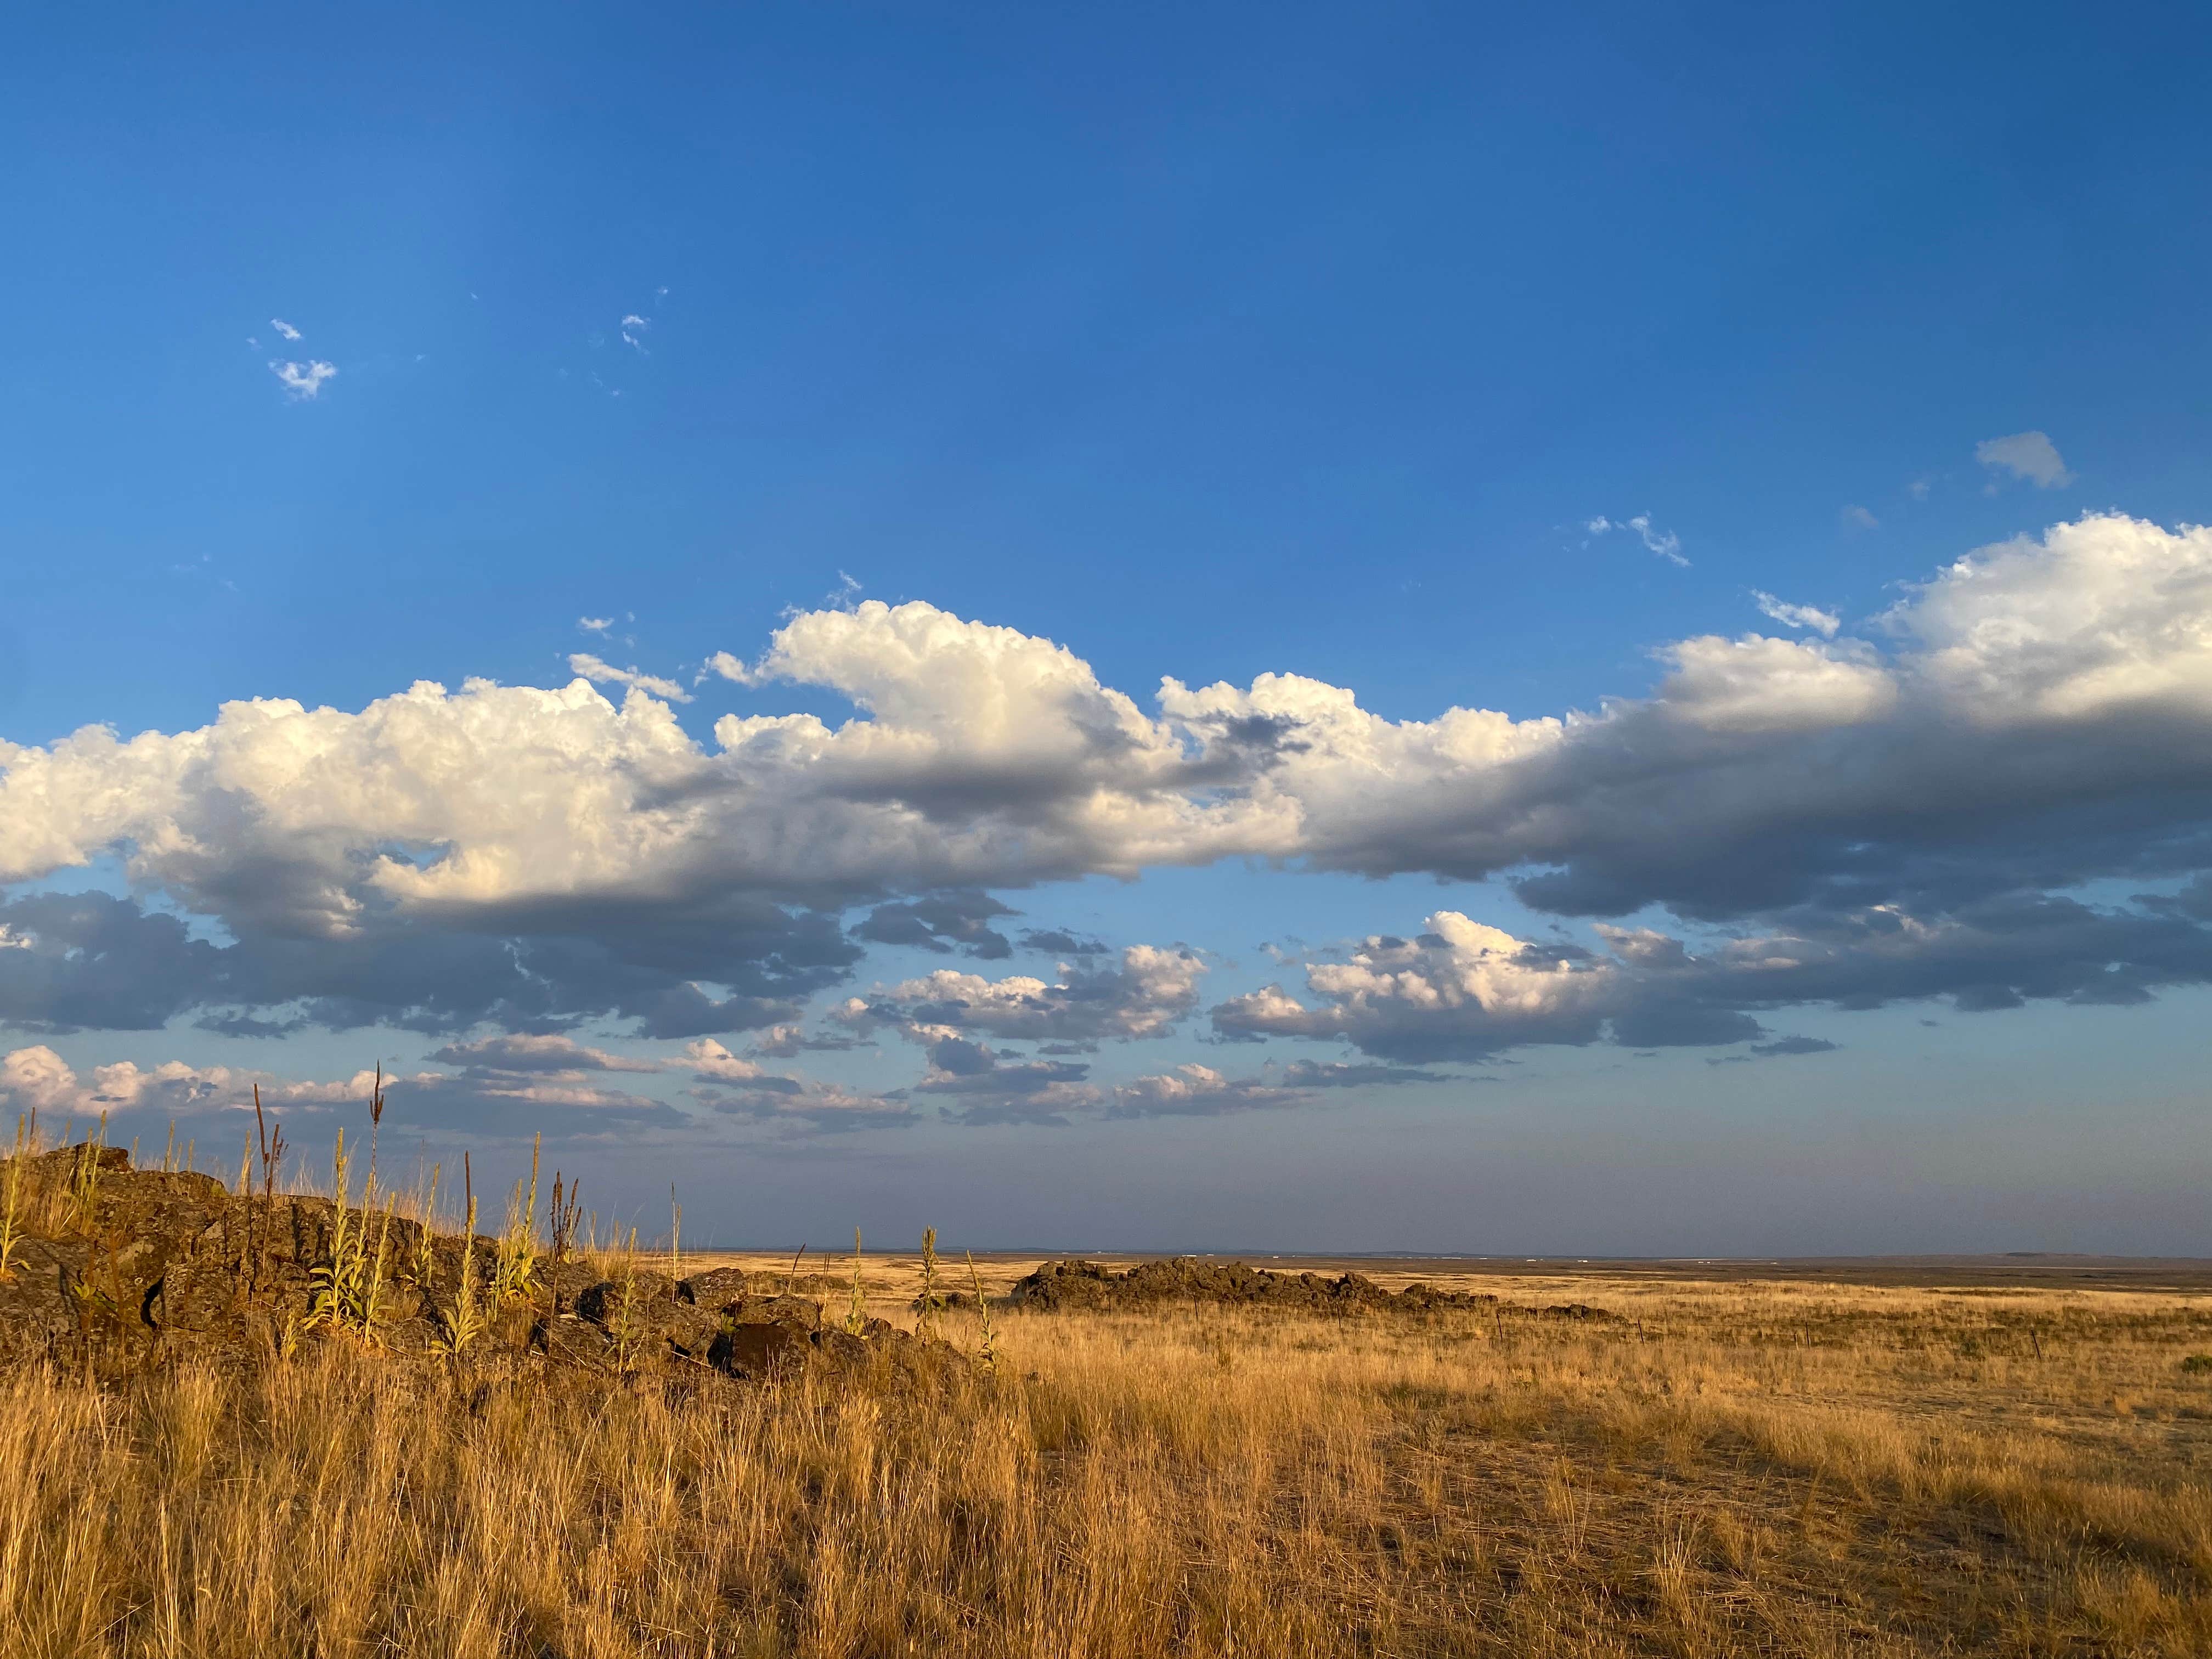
x: 1730, y: 1469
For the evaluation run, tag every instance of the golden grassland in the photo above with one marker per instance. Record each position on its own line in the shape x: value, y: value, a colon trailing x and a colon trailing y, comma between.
x: 1729, y: 1467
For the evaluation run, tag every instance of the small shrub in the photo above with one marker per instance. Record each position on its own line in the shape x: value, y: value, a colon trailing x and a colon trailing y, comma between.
x: 2197, y: 1365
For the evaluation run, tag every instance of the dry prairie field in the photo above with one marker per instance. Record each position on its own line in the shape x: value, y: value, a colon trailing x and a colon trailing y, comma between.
x: 1618, y: 1459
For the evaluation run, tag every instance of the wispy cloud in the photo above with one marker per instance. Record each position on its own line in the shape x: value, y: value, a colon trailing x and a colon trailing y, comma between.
x: 2029, y: 455
x: 594, y: 624
x: 604, y: 673
x: 1794, y: 1045
x: 284, y: 328
x: 632, y: 330
x: 1859, y: 518
x: 1664, y: 543
x: 1823, y: 623
x: 305, y: 381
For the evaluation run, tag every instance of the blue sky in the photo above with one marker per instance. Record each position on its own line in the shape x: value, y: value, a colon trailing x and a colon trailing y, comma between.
x: 1453, y: 360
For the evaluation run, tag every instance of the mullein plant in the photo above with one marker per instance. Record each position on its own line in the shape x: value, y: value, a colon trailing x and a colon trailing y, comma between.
x: 272, y: 1139
x: 988, y: 1358
x: 349, y: 1286
x: 628, y: 1337
x: 375, y: 1122
x: 466, y: 1321
x: 272, y: 1147
x: 562, y: 1223
x: 84, y: 1181
x: 561, y: 1219
x: 856, y: 1316
x: 515, y: 1255
x: 926, y: 1324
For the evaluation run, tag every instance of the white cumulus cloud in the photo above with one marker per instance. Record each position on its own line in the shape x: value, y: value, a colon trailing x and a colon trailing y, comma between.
x: 1143, y: 995
x: 2035, y: 716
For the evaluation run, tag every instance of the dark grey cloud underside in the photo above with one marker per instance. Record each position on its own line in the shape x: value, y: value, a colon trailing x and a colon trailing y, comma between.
x: 1993, y: 953
x: 93, y: 961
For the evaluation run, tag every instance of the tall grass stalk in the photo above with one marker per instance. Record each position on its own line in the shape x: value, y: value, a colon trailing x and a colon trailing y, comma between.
x: 856, y: 1316
x: 9, y: 1238
x: 426, y: 1215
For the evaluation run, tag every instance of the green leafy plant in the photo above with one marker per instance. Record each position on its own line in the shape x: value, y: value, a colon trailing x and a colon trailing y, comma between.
x: 629, y: 1332
x: 988, y: 1356
x: 925, y: 1324
x: 464, y: 1322
x: 856, y: 1316
x: 84, y: 1180
x: 349, y: 1287
x: 515, y: 1259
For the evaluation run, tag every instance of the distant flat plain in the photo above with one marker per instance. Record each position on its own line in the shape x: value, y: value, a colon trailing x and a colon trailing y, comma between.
x: 2021, y: 1270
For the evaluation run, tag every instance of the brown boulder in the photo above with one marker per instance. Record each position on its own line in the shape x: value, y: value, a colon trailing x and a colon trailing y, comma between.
x: 756, y: 1351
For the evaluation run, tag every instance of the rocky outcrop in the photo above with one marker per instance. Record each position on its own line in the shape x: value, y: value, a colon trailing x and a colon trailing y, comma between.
x: 1057, y: 1286
x: 112, y: 1270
